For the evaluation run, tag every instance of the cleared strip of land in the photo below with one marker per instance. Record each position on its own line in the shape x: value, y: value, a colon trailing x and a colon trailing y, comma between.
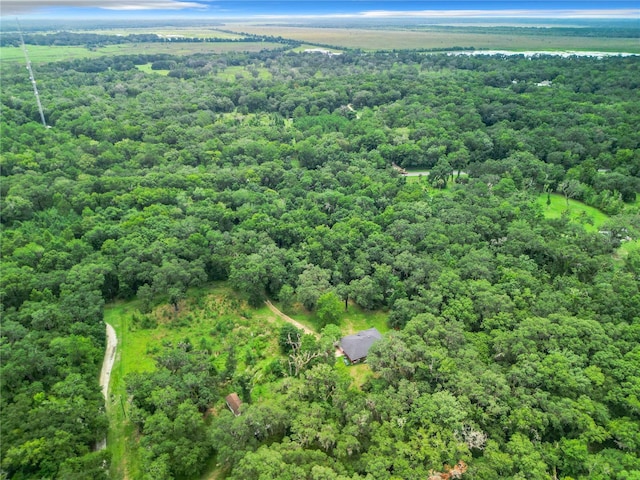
x: 374, y: 39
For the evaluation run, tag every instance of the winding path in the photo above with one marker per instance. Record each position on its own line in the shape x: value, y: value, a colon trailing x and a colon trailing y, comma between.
x: 105, y: 373
x: 287, y: 318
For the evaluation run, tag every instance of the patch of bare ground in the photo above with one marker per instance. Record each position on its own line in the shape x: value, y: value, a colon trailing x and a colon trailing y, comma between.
x: 290, y: 320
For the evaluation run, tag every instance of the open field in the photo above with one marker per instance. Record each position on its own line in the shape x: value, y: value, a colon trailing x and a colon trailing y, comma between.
x: 230, y: 74
x: 166, y: 31
x: 590, y: 217
x: 306, y: 46
x: 45, y: 54
x: 146, y: 68
x: 372, y: 39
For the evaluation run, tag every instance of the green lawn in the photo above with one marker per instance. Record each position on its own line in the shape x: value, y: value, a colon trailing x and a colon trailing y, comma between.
x: 146, y: 68
x: 359, y: 373
x: 590, y: 217
x: 356, y: 319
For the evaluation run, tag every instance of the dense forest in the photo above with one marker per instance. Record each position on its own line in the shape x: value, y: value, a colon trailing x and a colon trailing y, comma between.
x: 515, y: 342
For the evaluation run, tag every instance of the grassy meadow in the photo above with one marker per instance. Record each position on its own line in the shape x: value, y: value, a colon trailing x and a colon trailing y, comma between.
x: 352, y: 320
x: 44, y: 54
x: 379, y: 39
x: 168, y: 31
x: 146, y: 68
x: 306, y: 46
x: 591, y: 218
x: 230, y: 74
x: 212, y: 317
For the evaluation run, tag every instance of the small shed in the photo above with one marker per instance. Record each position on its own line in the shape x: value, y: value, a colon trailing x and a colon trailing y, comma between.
x: 356, y: 346
x: 234, y: 403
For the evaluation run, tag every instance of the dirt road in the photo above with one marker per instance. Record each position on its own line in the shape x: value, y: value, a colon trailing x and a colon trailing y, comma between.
x: 287, y: 318
x: 109, y: 358
x: 105, y: 373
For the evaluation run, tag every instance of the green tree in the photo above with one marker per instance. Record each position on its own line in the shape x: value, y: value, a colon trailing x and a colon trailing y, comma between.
x: 440, y: 173
x: 312, y: 283
x: 329, y: 308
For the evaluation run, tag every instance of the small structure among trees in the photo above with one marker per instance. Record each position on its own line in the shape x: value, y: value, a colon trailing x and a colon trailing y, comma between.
x: 234, y: 403
x: 356, y: 346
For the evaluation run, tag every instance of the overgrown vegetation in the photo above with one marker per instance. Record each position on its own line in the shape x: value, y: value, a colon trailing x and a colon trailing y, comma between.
x: 513, y: 341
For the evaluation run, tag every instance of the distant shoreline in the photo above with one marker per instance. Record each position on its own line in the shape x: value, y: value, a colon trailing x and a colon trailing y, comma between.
x: 537, y: 53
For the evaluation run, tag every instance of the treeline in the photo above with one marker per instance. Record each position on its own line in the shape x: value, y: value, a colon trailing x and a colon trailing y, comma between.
x: 617, y: 31
x: 69, y: 38
x: 100, y: 40
x: 517, y: 344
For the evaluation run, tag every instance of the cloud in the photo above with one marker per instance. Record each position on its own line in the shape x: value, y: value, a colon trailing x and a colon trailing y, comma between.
x: 12, y: 7
x: 593, y: 13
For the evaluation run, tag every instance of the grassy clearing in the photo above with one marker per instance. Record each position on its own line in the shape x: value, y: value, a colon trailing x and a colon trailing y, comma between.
x: 591, y: 218
x: 146, y: 68
x: 168, y: 31
x: 121, y: 437
x: 302, y: 48
x: 214, y: 317
x: 231, y: 74
x: 45, y: 54
x: 373, y: 39
x: 351, y: 321
x: 359, y: 373
x: 627, y: 247
x: 423, y: 179
x: 356, y: 319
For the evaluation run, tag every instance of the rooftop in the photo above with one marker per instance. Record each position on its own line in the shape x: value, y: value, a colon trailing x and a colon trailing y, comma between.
x: 357, y: 346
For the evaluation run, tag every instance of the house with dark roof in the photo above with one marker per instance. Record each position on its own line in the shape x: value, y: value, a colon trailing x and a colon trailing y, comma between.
x: 234, y: 403
x: 356, y: 347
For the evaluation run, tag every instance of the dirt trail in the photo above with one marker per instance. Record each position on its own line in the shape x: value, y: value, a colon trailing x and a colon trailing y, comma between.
x: 105, y: 373
x: 287, y: 318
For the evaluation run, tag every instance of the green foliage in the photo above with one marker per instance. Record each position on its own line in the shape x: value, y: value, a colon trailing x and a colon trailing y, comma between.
x: 516, y: 343
x: 329, y: 308
x: 288, y: 335
x: 312, y: 283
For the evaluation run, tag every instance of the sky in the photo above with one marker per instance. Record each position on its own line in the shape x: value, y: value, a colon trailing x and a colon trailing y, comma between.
x: 315, y: 8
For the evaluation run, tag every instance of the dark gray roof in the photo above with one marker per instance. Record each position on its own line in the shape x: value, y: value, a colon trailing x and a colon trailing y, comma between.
x: 357, y: 346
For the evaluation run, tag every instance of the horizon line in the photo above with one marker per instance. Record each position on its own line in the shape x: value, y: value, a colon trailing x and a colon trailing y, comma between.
x: 188, y: 8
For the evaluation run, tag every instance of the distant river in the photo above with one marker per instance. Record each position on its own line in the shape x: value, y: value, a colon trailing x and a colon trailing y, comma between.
x: 539, y: 53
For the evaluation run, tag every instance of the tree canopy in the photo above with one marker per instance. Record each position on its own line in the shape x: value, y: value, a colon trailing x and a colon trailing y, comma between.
x: 515, y: 341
